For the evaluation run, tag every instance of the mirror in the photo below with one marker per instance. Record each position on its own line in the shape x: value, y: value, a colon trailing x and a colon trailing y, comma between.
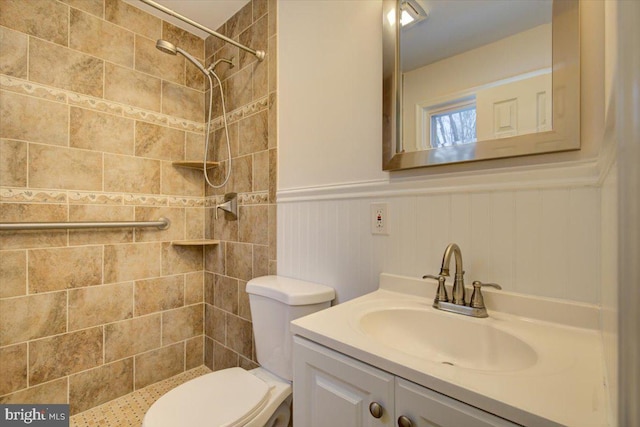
x: 471, y: 80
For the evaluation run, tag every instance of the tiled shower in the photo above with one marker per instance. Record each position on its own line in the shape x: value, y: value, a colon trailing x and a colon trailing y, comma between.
x: 92, y: 117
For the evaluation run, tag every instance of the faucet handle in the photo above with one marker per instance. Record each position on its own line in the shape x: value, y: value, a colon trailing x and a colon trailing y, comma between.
x: 477, y: 301
x: 441, y: 293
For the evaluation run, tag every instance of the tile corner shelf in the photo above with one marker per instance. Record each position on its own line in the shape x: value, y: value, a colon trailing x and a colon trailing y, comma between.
x: 195, y: 242
x: 195, y: 164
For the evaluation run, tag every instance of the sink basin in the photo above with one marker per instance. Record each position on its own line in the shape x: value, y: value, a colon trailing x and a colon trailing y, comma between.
x: 448, y: 339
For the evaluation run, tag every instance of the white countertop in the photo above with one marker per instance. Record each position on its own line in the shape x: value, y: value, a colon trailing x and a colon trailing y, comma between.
x: 563, y: 387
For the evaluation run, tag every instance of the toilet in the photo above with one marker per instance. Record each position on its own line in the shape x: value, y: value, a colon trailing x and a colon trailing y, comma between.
x: 260, y: 397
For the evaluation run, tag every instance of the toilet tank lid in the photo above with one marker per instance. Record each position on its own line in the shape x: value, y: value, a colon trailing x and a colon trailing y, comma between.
x: 290, y: 291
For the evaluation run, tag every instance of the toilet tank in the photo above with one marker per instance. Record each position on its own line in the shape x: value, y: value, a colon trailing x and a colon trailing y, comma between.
x: 275, y: 301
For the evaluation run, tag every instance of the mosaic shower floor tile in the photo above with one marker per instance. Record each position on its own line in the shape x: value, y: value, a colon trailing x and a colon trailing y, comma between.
x: 129, y: 410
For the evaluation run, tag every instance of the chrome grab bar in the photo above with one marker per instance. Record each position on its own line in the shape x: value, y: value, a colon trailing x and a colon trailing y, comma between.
x: 161, y: 223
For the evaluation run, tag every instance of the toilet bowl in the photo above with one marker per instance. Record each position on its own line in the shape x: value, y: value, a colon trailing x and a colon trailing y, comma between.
x: 260, y: 397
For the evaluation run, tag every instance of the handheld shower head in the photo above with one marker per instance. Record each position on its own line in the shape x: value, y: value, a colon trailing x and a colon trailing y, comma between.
x: 170, y: 48
x: 166, y: 47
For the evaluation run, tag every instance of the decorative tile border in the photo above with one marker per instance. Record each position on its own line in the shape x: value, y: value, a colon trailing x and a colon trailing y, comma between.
x: 258, y: 198
x: 242, y: 112
x: 22, y: 195
x: 19, y: 195
x: 98, y: 104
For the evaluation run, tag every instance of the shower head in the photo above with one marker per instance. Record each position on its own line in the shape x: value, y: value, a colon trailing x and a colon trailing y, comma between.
x: 166, y: 47
x: 170, y: 48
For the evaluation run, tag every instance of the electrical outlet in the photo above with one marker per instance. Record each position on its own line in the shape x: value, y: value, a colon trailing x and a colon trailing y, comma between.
x: 379, y: 218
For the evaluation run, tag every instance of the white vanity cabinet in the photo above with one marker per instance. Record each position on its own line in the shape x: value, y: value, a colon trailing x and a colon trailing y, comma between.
x: 331, y: 389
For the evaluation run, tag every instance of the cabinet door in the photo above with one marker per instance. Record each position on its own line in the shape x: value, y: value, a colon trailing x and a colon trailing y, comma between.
x: 331, y: 389
x: 426, y: 408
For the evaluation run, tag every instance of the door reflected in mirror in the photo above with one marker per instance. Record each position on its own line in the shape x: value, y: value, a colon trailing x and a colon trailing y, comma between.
x: 470, y: 80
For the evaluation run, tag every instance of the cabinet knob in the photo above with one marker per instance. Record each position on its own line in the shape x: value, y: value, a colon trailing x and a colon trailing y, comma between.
x: 404, y: 422
x: 376, y: 409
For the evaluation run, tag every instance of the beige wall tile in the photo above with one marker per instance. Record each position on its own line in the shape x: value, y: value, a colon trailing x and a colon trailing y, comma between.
x: 209, y: 286
x: 273, y: 64
x: 131, y: 87
x: 247, y: 364
x: 46, y: 19
x: 181, y: 101
x: 50, y: 358
x: 51, y: 392
x: 239, y: 260
x: 195, y: 147
x: 253, y: 224
x: 194, y: 79
x: 163, y: 293
x: 273, y: 17
x: 273, y: 235
x: 152, y: 61
x: 223, y: 228
x: 260, y: 7
x: 261, y: 171
x: 100, y: 304
x: 101, y: 132
x: 18, y: 212
x: 193, y: 288
x: 90, y: 34
x: 273, y: 120
x: 182, y: 323
x: 181, y: 181
x: 64, y: 168
x: 13, y: 360
x: 126, y: 174
x: 131, y: 262
x: 64, y: 68
x: 254, y: 133
x: 64, y: 268
x: 195, y: 223
x: 13, y: 163
x: 183, y: 39
x: 159, y: 142
x: 241, y: 179
x: 239, y: 335
x: 96, y: 386
x: 94, y: 7
x: 128, y: 16
x: 131, y: 337
x: 159, y: 364
x: 261, y: 79
x: 223, y: 357
x: 194, y: 352
x: 240, y: 21
x: 208, y: 353
x: 31, y: 119
x: 174, y: 232
x: 256, y: 37
x: 273, y: 174
x: 100, y: 213
x: 181, y: 259
x: 13, y: 274
x: 13, y: 53
x: 239, y: 89
x: 244, y: 308
x: 215, y: 258
x: 226, y: 294
x: 260, y: 260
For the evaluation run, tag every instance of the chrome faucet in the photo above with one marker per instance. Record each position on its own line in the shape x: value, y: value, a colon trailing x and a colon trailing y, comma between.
x: 457, y: 294
x: 476, y: 307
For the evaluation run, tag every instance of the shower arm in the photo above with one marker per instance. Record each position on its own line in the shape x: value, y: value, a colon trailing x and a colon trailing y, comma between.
x: 258, y: 53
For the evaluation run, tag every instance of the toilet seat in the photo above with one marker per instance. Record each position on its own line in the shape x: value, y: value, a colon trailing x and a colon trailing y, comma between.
x: 229, y: 398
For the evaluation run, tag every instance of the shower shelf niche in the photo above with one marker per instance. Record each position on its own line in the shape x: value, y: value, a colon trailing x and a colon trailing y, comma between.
x: 195, y: 242
x: 196, y: 164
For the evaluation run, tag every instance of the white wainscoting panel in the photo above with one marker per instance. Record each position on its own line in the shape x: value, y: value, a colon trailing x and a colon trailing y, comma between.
x: 543, y: 242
